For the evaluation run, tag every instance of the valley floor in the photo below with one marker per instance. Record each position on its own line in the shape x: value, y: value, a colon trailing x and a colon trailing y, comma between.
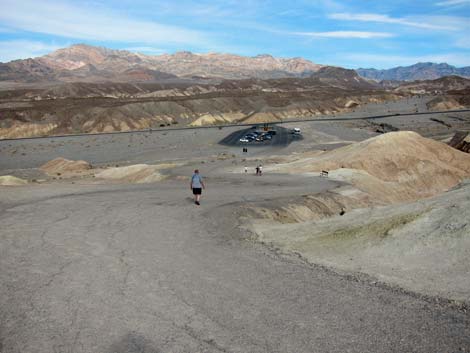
x: 90, y: 266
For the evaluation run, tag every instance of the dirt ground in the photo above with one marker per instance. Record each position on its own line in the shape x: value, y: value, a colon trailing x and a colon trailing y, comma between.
x: 89, y: 265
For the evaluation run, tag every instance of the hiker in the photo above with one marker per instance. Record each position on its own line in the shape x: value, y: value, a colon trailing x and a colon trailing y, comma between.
x: 257, y: 170
x: 246, y: 170
x: 260, y: 169
x: 196, y: 186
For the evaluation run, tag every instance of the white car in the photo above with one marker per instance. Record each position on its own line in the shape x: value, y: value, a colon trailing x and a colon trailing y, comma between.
x: 244, y: 139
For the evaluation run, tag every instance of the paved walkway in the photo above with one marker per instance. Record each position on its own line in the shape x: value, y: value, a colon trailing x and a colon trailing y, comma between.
x: 142, y: 269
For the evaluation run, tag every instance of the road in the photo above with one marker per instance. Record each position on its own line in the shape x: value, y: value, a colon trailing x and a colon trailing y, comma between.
x: 316, y: 119
x: 142, y: 269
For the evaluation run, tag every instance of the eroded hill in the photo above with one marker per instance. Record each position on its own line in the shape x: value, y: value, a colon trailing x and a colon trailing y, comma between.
x: 91, y: 107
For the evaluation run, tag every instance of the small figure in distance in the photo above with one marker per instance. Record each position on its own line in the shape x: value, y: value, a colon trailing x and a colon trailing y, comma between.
x: 342, y: 212
x: 246, y: 170
x: 257, y: 170
x: 196, y: 186
x: 260, y: 170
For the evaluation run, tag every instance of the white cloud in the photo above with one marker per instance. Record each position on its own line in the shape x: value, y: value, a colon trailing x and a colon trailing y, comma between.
x: 23, y: 49
x: 81, y: 22
x: 345, y: 34
x: 452, y: 2
x: 371, y: 17
x: 145, y: 50
x: 382, y: 61
x: 463, y: 43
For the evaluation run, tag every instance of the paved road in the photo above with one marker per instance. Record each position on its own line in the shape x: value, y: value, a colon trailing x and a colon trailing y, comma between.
x: 315, y: 119
x: 142, y: 269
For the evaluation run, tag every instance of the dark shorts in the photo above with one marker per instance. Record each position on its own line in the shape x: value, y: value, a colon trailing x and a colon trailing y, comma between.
x: 197, y: 191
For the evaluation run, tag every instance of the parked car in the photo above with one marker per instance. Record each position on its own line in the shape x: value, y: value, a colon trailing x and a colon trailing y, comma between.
x: 263, y: 137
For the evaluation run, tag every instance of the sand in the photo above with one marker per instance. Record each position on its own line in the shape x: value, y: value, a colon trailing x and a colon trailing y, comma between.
x: 9, y: 180
x: 420, y: 246
x: 397, y: 166
x: 137, y: 173
x: 60, y: 166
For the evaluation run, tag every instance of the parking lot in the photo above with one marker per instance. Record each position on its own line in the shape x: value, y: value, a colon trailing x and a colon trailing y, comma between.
x: 279, y: 136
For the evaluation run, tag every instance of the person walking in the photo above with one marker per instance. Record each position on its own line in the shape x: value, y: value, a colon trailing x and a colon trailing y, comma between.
x: 196, y: 186
x: 260, y: 170
x: 246, y: 170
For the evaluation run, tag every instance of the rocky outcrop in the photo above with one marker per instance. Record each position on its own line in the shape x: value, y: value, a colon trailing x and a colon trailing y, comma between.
x: 461, y: 141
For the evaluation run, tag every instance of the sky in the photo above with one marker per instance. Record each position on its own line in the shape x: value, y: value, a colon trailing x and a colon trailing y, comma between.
x: 348, y: 33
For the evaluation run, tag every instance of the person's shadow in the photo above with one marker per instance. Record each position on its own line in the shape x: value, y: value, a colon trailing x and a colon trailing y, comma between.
x: 189, y: 199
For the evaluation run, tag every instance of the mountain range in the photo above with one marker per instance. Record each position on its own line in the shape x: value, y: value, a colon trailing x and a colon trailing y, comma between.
x: 85, y: 63
x: 84, y: 89
x: 419, y: 71
x: 97, y: 64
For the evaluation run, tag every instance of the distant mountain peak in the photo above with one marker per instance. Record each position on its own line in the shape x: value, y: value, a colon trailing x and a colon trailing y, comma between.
x: 110, y: 64
x: 183, y: 53
x: 264, y: 56
x: 418, y: 71
x: 341, y: 77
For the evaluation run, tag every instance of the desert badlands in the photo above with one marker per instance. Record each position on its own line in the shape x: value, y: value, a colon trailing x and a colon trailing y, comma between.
x: 103, y: 250
x: 355, y: 238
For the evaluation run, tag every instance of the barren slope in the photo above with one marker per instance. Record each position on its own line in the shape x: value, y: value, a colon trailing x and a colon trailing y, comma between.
x: 80, y: 107
x: 396, y: 166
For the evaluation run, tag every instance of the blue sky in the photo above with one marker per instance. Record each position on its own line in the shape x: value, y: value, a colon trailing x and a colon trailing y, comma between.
x: 361, y: 33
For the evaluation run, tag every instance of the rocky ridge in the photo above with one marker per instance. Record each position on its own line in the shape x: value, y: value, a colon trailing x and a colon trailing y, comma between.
x: 419, y: 71
x: 96, y: 64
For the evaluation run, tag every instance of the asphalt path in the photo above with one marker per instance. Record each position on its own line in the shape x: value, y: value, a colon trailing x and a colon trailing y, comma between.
x: 115, y: 269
